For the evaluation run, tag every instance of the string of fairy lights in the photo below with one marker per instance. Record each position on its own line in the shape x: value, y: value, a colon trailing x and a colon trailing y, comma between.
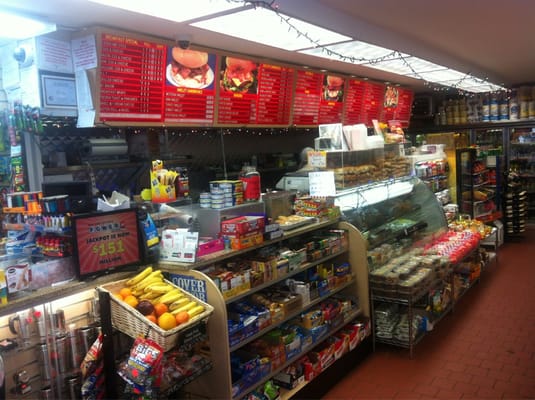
x: 393, y: 55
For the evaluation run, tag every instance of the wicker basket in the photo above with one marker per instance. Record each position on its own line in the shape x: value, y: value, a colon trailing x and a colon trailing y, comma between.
x: 131, y: 322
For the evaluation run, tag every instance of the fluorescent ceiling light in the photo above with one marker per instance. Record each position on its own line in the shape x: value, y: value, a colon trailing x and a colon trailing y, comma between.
x: 267, y: 27
x: 355, y: 51
x: 14, y: 26
x: 172, y: 10
x: 381, y: 58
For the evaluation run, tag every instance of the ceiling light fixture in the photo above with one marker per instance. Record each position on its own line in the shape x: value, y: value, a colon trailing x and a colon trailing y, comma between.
x: 17, y: 27
x: 170, y: 9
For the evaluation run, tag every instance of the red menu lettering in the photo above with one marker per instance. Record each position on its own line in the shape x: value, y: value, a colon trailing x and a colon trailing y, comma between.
x: 131, y: 80
x: 307, y: 98
x: 274, y: 95
x: 397, y: 105
x: 189, y: 88
x: 363, y: 102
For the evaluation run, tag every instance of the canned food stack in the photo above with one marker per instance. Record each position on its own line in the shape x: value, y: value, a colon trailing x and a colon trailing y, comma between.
x: 222, y: 194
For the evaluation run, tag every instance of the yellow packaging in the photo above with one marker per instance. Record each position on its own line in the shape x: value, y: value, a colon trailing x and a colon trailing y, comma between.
x: 3, y: 287
x: 162, y: 183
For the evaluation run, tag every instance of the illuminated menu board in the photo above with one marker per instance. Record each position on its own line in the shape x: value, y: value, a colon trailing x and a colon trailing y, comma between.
x: 131, y: 79
x: 274, y: 95
x: 363, y: 102
x: 307, y: 98
x: 397, y: 105
x: 332, y: 97
x: 238, y: 92
x: 254, y: 93
x: 189, y: 86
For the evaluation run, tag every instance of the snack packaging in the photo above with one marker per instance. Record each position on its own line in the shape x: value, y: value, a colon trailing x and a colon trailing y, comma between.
x: 142, y: 369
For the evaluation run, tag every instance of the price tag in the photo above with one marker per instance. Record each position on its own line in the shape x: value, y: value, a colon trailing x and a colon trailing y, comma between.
x: 321, y: 183
x: 317, y: 159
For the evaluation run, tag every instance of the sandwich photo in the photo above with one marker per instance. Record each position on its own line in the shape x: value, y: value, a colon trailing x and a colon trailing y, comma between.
x: 238, y: 75
x: 333, y: 88
x: 189, y: 68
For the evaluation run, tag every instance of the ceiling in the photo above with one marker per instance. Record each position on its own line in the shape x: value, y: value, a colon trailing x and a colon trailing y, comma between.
x: 490, y: 39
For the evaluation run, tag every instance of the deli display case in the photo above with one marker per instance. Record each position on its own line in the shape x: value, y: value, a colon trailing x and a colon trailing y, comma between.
x: 410, y: 282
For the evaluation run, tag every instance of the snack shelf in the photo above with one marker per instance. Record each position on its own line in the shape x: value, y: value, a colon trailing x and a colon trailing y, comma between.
x: 218, y: 383
x: 297, y: 356
x: 302, y: 268
x: 222, y: 255
x: 293, y: 315
x: 183, y: 382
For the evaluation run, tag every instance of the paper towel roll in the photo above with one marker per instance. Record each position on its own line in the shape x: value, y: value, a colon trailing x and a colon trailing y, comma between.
x: 183, y: 219
x: 104, y: 147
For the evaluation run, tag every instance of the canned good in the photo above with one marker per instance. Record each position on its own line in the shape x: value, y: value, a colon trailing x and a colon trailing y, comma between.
x: 62, y: 354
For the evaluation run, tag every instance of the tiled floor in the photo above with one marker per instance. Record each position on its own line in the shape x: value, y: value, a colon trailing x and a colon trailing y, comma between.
x: 485, y: 349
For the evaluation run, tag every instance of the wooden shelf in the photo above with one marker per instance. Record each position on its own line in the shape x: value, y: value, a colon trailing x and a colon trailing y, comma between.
x: 226, y: 254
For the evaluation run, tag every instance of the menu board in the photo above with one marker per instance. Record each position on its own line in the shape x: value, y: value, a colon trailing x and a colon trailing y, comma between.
x: 332, y: 97
x: 238, y: 92
x: 307, y: 98
x: 131, y: 79
x: 189, y: 95
x: 275, y: 85
x: 254, y: 93
x: 397, y: 105
x: 363, y: 102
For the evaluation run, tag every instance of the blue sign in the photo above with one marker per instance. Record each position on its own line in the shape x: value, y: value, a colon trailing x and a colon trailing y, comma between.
x: 194, y: 286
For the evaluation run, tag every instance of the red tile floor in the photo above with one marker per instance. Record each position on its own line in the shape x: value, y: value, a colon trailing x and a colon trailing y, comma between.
x: 484, y: 349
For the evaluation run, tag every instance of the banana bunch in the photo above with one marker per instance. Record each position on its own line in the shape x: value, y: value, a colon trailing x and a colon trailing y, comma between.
x: 150, y: 285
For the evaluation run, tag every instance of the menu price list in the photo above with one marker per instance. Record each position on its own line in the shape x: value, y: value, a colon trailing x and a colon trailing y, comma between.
x: 363, y: 102
x: 307, y: 98
x: 274, y: 94
x: 401, y: 110
x: 131, y: 79
x: 236, y: 108
x: 189, y: 105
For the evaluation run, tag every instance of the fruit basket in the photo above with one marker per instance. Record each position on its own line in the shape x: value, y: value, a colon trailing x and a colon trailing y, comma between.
x: 131, y: 322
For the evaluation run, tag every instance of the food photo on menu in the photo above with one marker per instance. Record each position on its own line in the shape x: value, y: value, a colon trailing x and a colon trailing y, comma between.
x: 239, y: 75
x: 333, y: 88
x: 190, y: 68
x: 391, y: 97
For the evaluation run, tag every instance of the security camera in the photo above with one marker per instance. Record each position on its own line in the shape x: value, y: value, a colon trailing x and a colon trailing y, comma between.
x: 183, y: 41
x: 23, y: 55
x: 19, y: 54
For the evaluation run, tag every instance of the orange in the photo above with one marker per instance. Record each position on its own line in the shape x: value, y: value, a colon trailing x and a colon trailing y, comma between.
x: 131, y: 301
x: 152, y: 318
x: 166, y: 321
x: 125, y: 292
x: 160, y: 308
x: 118, y: 295
x: 182, y: 317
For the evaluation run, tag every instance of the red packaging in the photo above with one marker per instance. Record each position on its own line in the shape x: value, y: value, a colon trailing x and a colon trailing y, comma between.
x: 242, y: 225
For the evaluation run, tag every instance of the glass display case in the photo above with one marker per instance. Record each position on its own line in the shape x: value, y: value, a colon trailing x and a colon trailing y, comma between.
x: 391, y: 210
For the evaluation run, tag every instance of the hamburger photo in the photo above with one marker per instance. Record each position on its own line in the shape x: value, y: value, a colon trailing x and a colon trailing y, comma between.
x: 333, y: 89
x: 238, y: 76
x: 189, y: 68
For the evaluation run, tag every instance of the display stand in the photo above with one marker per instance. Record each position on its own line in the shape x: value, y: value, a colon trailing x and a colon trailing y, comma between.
x: 218, y: 383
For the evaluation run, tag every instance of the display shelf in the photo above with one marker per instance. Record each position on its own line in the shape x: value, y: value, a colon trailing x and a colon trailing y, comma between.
x: 217, y: 383
x: 296, y: 357
x: 302, y: 268
x: 183, y: 382
x: 222, y: 255
x: 402, y: 343
x: 293, y: 315
x: 396, y: 235
x: 29, y: 299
